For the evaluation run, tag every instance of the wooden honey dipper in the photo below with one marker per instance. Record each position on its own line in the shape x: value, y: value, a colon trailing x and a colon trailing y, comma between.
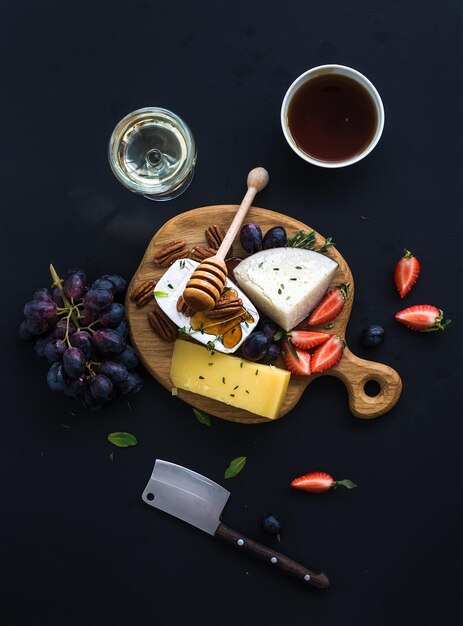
x: 206, y: 283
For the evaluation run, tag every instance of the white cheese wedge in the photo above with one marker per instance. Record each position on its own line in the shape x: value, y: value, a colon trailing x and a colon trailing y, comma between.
x: 171, y: 285
x: 286, y: 284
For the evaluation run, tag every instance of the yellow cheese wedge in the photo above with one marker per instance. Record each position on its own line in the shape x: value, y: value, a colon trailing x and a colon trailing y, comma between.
x: 252, y: 386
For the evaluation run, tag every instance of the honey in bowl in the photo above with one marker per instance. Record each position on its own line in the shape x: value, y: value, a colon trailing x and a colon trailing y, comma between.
x: 332, y: 118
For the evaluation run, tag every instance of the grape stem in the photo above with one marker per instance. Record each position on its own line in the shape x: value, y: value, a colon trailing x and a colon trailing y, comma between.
x: 67, y: 304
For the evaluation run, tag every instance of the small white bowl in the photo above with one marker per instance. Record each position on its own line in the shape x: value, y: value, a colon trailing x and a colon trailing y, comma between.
x: 339, y: 70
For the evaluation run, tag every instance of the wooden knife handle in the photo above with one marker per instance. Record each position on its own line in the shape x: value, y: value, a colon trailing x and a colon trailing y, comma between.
x: 274, y: 559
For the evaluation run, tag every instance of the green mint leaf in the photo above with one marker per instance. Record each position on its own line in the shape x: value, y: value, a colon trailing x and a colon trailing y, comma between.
x: 279, y: 335
x: 122, y: 440
x: 202, y: 417
x: 346, y: 483
x: 235, y: 466
x: 160, y: 294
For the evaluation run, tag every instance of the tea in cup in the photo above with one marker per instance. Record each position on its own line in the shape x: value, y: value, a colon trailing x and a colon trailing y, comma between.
x: 332, y: 116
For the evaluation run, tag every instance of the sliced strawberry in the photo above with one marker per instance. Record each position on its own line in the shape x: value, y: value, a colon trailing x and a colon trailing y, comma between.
x: 423, y: 318
x: 319, y: 482
x: 406, y: 273
x: 330, y: 306
x: 327, y: 355
x: 307, y: 339
x: 296, y: 361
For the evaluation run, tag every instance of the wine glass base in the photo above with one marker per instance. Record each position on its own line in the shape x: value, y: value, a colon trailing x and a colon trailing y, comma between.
x: 173, y: 193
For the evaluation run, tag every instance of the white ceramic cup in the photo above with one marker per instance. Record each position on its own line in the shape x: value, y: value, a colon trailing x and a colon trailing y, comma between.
x: 339, y: 70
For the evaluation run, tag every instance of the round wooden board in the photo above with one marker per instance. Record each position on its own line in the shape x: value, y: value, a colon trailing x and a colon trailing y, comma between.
x: 156, y: 354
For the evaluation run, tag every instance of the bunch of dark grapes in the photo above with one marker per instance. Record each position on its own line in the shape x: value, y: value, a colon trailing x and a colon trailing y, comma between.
x: 82, y: 331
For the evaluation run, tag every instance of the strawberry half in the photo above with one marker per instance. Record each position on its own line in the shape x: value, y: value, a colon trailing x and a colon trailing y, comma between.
x: 307, y: 339
x: 423, y: 318
x: 327, y: 355
x: 319, y: 482
x: 406, y: 273
x: 330, y: 306
x: 296, y: 361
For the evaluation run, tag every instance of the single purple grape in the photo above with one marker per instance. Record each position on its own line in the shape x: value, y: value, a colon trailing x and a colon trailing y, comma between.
x: 55, y: 377
x: 123, y: 328
x: 75, y: 388
x: 23, y: 331
x: 42, y: 294
x: 108, y: 342
x: 117, y: 372
x: 267, y: 326
x: 102, y: 283
x: 53, y: 321
x: 54, y: 350
x: 132, y: 384
x: 87, y: 317
x: 102, y: 388
x: 83, y: 340
x: 74, y: 283
x: 37, y: 327
x: 251, y: 238
x: 97, y: 299
x: 74, y: 362
x: 129, y: 358
x: 60, y: 329
x: 255, y: 345
x: 57, y: 297
x: 272, y: 354
x: 40, y: 310
x: 39, y: 346
x: 120, y: 284
x: 274, y: 238
x: 112, y: 316
x: 79, y: 385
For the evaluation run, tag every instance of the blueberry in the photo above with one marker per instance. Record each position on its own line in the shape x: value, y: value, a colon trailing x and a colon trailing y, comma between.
x: 271, y: 524
x: 372, y: 336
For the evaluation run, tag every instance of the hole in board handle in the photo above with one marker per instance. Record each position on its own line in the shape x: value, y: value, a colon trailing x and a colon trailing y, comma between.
x: 372, y: 388
x: 150, y: 496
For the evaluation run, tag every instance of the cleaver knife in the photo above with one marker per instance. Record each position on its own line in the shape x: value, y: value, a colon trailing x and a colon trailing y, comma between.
x: 199, y: 501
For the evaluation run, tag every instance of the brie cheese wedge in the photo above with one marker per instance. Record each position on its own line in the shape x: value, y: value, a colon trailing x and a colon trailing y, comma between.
x: 172, y: 284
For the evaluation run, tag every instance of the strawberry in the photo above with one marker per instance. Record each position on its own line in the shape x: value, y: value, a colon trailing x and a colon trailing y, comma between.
x: 423, y: 318
x: 296, y: 361
x: 327, y: 355
x: 307, y: 339
x: 319, y: 482
x: 406, y: 273
x: 330, y: 306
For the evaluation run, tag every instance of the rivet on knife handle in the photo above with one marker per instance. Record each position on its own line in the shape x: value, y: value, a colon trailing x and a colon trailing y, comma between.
x: 272, y: 557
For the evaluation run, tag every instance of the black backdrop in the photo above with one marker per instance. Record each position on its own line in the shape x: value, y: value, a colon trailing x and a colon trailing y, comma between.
x: 79, y: 546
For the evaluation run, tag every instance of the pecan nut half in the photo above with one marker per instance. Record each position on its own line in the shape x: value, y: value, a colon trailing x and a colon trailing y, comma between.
x: 182, y: 307
x: 199, y: 253
x: 171, y: 252
x: 143, y: 293
x: 162, y: 325
x: 215, y: 234
x: 226, y: 307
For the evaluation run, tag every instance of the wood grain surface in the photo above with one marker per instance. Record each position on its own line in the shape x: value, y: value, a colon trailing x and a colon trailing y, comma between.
x: 156, y: 354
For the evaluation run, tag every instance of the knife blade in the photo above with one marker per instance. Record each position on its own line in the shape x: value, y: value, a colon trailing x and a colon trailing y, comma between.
x: 199, y: 501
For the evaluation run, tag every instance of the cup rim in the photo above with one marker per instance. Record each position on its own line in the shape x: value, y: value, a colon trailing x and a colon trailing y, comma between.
x: 360, y: 78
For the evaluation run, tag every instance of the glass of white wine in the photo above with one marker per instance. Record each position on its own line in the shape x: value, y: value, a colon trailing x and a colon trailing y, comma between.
x: 152, y: 152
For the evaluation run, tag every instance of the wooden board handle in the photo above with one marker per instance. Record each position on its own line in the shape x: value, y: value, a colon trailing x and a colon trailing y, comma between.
x: 274, y: 559
x: 356, y: 373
